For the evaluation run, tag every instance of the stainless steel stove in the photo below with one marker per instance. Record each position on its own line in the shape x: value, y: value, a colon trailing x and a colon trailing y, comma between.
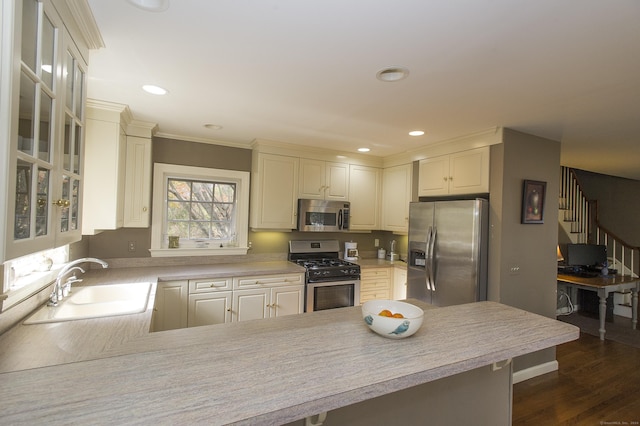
x: 330, y: 281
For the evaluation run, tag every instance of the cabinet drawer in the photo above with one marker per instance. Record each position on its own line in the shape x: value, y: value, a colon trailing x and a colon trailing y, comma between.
x: 209, y: 285
x: 374, y: 284
x: 267, y: 281
x: 367, y: 273
x: 374, y: 294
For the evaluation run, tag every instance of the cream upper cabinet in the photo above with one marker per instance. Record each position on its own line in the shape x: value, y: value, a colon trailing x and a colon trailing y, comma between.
x: 117, y: 169
x: 105, y: 156
x: 274, y: 191
x: 42, y: 126
x: 137, y: 186
x: 323, y: 180
x: 396, y: 196
x: 365, y: 193
x: 465, y: 172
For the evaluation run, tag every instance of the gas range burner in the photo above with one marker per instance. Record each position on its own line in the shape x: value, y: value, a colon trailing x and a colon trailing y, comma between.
x: 323, y: 263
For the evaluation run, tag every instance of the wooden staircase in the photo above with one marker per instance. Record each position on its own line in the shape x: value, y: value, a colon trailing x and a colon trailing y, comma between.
x: 578, y: 216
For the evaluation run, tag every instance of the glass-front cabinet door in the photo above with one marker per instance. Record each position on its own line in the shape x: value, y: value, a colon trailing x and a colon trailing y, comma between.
x: 47, y: 132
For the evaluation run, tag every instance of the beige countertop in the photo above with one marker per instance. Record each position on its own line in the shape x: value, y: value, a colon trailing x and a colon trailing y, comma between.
x: 37, y: 345
x: 381, y: 263
x: 270, y: 371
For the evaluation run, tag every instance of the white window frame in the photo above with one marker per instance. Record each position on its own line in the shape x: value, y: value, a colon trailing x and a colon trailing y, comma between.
x: 159, y: 241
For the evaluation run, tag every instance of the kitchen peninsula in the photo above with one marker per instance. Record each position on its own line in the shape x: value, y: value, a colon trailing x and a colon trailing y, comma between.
x: 288, y: 368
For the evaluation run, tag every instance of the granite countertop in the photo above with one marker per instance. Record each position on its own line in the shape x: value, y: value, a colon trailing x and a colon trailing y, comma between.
x: 271, y: 371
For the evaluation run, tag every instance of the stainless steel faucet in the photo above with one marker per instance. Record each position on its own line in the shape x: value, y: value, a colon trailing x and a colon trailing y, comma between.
x: 61, y: 290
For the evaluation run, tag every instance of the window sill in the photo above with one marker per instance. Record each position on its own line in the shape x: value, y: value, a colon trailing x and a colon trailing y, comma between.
x: 223, y: 251
x: 39, y: 281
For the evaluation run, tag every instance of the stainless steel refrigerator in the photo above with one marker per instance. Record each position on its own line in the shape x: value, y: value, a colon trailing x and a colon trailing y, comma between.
x: 448, y: 245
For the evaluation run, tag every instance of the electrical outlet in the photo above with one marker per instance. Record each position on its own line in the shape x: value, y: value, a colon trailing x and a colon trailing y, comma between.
x: 132, y: 246
x: 376, y: 243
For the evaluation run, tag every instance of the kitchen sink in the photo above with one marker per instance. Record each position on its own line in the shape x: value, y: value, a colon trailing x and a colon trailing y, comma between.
x: 96, y: 302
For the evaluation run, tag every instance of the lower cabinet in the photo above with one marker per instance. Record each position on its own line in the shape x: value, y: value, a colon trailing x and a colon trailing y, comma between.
x: 170, y: 309
x: 209, y: 301
x: 375, y: 283
x: 194, y: 303
x: 256, y: 297
x: 399, y: 283
x: 268, y: 303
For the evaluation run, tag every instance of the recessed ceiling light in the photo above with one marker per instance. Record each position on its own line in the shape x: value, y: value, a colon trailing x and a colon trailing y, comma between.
x: 364, y: 149
x: 392, y: 74
x: 154, y: 90
x: 416, y: 133
x: 151, y: 5
x: 213, y: 126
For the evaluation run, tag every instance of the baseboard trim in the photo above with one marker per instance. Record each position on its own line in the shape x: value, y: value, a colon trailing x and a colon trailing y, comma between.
x: 536, y: 370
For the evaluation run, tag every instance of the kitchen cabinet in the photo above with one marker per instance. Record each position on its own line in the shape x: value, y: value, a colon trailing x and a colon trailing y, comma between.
x: 274, y: 191
x: 105, y: 156
x: 209, y: 302
x: 267, y: 296
x: 267, y: 303
x: 375, y: 283
x: 323, y: 180
x: 365, y: 193
x: 42, y: 125
x: 396, y: 196
x: 117, y: 169
x: 137, y: 192
x: 197, y: 302
x: 465, y: 172
x: 399, y: 283
x: 171, y: 305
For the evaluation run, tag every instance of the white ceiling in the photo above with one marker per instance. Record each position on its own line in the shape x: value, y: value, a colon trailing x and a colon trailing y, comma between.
x: 303, y: 72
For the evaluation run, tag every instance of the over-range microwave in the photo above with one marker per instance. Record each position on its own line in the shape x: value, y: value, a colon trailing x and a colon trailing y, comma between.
x: 323, y: 215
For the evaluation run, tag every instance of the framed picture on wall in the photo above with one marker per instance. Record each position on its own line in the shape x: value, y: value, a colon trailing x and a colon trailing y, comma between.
x: 533, y: 193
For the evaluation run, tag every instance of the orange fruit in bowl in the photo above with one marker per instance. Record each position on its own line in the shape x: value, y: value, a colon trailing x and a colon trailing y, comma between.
x: 397, y: 315
x: 385, y: 313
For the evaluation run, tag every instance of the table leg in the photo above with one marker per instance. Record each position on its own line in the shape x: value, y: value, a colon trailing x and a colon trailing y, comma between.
x: 634, y: 307
x: 603, y: 311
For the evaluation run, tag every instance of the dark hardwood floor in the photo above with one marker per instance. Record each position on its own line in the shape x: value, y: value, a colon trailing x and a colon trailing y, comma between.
x: 597, y: 383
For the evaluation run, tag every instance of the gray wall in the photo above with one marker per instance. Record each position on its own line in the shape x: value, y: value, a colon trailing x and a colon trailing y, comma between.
x: 618, y: 203
x: 522, y: 257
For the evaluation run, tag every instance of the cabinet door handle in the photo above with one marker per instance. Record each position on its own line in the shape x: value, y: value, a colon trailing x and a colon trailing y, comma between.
x: 62, y: 203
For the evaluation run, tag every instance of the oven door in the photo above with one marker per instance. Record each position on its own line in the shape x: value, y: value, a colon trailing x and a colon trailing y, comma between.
x: 333, y: 294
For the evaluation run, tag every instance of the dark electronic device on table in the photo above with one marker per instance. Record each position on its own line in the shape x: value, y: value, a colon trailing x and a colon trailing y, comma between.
x: 585, y: 260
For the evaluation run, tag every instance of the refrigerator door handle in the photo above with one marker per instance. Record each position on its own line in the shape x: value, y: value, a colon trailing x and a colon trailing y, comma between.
x: 432, y: 255
x: 427, y: 261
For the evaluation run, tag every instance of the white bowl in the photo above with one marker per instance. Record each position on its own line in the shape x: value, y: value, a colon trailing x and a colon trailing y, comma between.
x: 393, y: 328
